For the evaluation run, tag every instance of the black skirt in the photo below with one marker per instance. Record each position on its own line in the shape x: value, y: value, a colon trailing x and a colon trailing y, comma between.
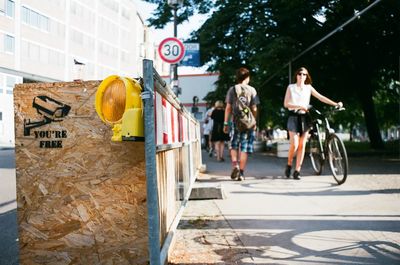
x: 298, y: 123
x: 218, y: 134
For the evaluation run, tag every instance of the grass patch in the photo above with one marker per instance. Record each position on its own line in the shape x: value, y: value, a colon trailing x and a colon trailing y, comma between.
x: 392, y: 148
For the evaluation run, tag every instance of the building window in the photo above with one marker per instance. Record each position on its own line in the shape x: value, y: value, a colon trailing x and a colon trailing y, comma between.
x: 25, y: 14
x: 44, y: 23
x: 125, y: 13
x: 35, y: 19
x: 2, y: 5
x: 111, y: 4
x: 9, y: 44
x: 11, y: 81
x: 10, y: 6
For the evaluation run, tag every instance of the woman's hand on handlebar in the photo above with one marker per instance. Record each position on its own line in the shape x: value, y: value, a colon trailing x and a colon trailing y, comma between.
x: 305, y: 109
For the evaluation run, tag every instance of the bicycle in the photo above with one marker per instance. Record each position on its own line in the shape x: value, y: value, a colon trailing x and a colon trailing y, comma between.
x: 328, y: 148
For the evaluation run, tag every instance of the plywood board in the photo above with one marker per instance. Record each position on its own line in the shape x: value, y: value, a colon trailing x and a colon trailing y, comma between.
x: 81, y: 198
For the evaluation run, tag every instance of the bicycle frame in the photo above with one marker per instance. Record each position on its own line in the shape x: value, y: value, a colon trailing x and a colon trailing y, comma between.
x: 328, y: 130
x: 330, y: 149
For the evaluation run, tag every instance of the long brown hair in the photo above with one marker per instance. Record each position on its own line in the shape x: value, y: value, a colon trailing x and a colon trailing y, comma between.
x: 308, y: 80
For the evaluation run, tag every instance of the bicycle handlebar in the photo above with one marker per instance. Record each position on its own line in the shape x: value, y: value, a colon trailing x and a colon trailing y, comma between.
x: 335, y: 109
x: 340, y: 108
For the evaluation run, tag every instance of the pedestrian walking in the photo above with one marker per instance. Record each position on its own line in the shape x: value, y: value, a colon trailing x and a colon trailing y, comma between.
x: 297, y: 100
x: 241, y: 143
x: 207, y: 127
x: 218, y: 136
x: 210, y: 124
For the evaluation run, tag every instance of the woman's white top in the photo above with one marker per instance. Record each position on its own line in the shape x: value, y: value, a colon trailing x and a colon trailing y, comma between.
x: 299, y: 96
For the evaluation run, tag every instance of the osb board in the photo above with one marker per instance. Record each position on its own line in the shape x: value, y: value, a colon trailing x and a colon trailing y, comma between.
x: 168, y: 188
x: 81, y: 198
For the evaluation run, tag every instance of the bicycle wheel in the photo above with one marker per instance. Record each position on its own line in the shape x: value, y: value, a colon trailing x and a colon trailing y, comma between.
x: 315, y: 154
x: 337, y: 157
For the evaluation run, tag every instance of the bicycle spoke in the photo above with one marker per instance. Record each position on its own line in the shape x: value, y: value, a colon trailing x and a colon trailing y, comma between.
x: 315, y: 155
x: 328, y: 149
x: 337, y: 159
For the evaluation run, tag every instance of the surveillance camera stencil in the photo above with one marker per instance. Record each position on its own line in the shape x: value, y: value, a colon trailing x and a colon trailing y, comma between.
x: 51, y: 110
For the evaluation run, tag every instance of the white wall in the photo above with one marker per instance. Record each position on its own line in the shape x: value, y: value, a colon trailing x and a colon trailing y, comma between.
x: 7, y: 83
x: 195, y: 85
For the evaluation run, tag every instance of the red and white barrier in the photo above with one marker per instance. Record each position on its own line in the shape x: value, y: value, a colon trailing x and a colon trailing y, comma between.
x: 172, y: 126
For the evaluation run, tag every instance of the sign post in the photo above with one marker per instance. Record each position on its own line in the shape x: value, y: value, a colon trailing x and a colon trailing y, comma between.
x: 171, y: 50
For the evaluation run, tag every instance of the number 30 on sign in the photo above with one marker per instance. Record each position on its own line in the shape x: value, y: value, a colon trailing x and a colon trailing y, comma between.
x: 171, y: 50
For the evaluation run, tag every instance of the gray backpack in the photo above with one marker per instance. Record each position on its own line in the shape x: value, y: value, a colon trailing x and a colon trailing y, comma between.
x: 243, y: 118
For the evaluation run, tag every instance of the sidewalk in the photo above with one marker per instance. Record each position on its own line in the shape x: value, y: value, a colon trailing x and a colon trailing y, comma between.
x: 268, y: 219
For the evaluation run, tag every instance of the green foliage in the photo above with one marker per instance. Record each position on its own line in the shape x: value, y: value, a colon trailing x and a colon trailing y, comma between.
x: 387, y: 101
x: 392, y: 149
x: 357, y: 65
x: 164, y: 13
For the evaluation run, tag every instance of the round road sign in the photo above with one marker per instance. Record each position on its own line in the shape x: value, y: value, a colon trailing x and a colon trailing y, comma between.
x: 171, y: 50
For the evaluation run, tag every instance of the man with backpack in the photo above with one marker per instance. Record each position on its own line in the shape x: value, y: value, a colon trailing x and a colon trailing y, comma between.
x: 241, y: 108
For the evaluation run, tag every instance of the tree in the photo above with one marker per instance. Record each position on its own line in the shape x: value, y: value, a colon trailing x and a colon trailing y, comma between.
x: 357, y: 65
x: 365, y: 51
x: 163, y: 13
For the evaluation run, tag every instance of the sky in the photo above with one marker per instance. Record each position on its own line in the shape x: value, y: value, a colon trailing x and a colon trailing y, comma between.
x: 146, y: 9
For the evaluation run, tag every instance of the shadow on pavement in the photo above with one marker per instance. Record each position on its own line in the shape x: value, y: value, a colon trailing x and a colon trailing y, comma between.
x: 325, y: 192
x: 358, y: 236
x: 300, y: 241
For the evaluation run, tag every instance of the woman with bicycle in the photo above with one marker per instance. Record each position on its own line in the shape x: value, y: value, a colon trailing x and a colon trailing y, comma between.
x: 297, y: 100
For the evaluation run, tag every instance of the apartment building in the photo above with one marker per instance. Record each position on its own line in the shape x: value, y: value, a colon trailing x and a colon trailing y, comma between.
x: 63, y: 40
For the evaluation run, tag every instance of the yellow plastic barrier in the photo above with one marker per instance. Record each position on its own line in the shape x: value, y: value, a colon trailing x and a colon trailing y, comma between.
x: 118, y: 103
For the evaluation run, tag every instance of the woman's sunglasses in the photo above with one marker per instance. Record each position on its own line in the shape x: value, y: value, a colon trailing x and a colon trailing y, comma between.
x: 302, y: 74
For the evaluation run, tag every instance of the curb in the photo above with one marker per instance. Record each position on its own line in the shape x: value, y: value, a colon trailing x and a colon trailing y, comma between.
x: 7, y: 148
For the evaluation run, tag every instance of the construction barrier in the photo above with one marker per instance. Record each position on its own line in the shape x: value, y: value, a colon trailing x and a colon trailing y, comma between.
x: 84, y: 199
x: 178, y: 159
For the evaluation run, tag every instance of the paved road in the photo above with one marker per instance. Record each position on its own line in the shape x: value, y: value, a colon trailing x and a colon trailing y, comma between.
x: 8, y: 205
x: 268, y: 219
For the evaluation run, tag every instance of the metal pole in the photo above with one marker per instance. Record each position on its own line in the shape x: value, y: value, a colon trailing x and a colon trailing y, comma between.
x: 175, y: 66
x: 150, y: 157
x: 175, y: 22
x: 290, y: 72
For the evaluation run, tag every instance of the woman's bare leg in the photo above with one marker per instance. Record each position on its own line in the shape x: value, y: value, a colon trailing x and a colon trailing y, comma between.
x: 221, y: 149
x: 301, y: 150
x: 217, y: 149
x: 294, y: 143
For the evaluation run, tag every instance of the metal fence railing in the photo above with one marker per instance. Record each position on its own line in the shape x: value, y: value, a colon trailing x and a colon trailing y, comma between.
x: 173, y: 159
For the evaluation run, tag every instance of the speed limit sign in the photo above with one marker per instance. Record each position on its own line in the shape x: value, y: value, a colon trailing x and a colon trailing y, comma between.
x: 171, y: 50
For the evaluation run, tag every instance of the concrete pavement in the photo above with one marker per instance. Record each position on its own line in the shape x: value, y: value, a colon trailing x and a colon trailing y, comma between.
x: 8, y: 211
x: 268, y: 219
